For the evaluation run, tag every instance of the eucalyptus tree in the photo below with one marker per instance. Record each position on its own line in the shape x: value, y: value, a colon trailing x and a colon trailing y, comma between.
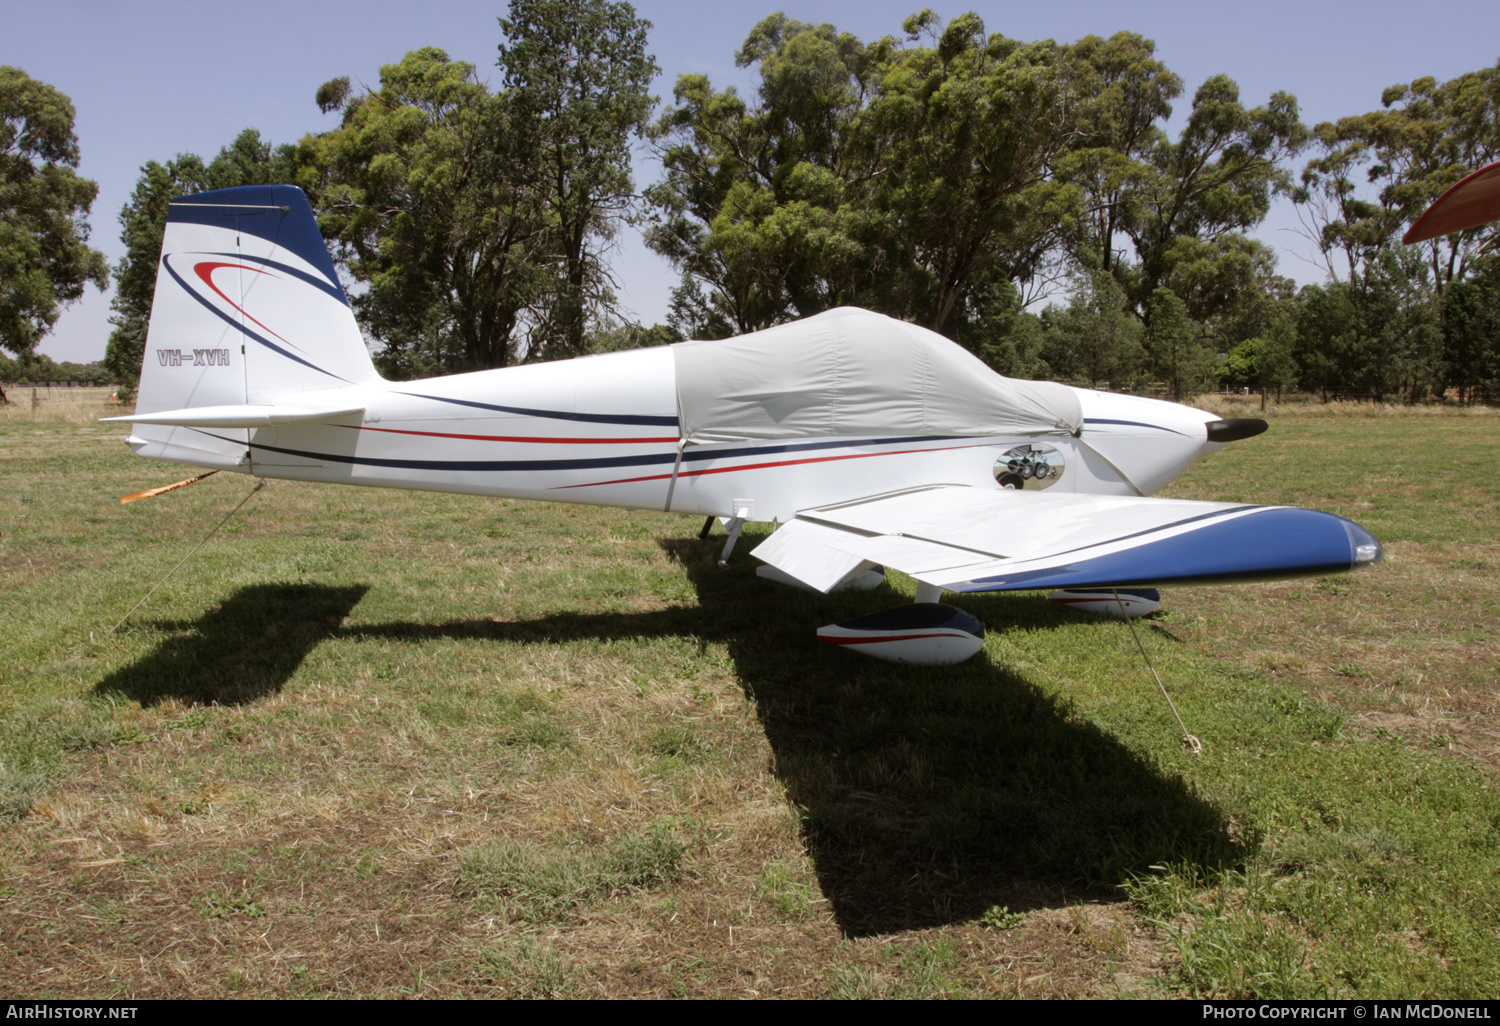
x: 430, y: 193
x: 904, y: 178
x: 1204, y: 190
x: 477, y: 220
x: 577, y: 78
x: 767, y: 203
x: 974, y: 127
x: 1426, y: 137
x: 1345, y: 224
x: 1373, y: 174
x: 45, y: 260
x: 1430, y: 135
x: 1131, y: 93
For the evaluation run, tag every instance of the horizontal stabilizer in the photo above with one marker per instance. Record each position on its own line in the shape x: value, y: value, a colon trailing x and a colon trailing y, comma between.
x: 251, y: 416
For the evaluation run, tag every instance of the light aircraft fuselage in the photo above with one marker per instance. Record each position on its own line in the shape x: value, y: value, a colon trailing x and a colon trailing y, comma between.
x: 871, y: 442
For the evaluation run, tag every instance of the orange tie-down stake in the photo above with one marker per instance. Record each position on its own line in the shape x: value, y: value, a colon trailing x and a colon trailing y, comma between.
x: 150, y: 492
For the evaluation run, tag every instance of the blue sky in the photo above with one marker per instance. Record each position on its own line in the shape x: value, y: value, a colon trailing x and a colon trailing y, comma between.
x: 154, y: 78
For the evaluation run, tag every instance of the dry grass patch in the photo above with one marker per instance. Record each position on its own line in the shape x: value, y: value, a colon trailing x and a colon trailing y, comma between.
x: 1409, y: 647
x: 28, y: 404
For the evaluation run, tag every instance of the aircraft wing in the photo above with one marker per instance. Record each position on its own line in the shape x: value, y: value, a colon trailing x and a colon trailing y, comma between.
x: 963, y: 538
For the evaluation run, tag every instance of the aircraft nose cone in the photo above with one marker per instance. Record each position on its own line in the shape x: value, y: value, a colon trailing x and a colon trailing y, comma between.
x: 1235, y: 429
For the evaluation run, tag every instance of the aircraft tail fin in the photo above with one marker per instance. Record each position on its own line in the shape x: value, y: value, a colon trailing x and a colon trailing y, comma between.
x: 248, y: 310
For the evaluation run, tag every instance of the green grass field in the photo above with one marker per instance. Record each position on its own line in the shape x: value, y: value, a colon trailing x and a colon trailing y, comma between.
x: 389, y: 744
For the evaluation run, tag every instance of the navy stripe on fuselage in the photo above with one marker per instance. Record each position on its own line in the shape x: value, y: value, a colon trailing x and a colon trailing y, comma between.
x: 1132, y: 423
x: 641, y: 460
x: 587, y: 418
x: 475, y: 465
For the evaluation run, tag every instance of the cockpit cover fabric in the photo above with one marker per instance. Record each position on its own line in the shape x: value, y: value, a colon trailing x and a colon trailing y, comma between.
x: 853, y: 372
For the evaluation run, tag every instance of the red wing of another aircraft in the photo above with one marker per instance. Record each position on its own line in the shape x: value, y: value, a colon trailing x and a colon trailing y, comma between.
x: 1473, y: 201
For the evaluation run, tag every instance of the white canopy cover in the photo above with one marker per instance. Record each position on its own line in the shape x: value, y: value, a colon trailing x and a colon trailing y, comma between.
x: 850, y: 372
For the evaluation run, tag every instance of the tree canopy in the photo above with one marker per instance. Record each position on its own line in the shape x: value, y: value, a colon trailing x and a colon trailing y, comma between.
x: 576, y: 77
x: 476, y: 219
x: 899, y: 177
x: 1394, y: 318
x: 428, y: 196
x: 45, y: 260
x: 951, y: 175
x: 942, y: 174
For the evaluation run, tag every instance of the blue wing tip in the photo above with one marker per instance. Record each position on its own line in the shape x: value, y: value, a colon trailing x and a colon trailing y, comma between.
x: 1268, y: 544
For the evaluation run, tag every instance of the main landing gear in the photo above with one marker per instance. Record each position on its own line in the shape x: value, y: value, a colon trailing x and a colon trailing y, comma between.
x: 734, y: 524
x: 928, y: 633
x: 925, y: 633
x: 921, y: 634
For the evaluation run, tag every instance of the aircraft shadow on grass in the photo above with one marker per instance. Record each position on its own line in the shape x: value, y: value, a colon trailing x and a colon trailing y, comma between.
x: 242, y: 651
x: 927, y: 796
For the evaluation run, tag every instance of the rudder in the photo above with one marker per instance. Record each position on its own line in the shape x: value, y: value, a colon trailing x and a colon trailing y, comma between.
x: 247, y: 310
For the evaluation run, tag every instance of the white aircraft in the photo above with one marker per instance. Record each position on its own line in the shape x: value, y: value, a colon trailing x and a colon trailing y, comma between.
x: 872, y: 443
